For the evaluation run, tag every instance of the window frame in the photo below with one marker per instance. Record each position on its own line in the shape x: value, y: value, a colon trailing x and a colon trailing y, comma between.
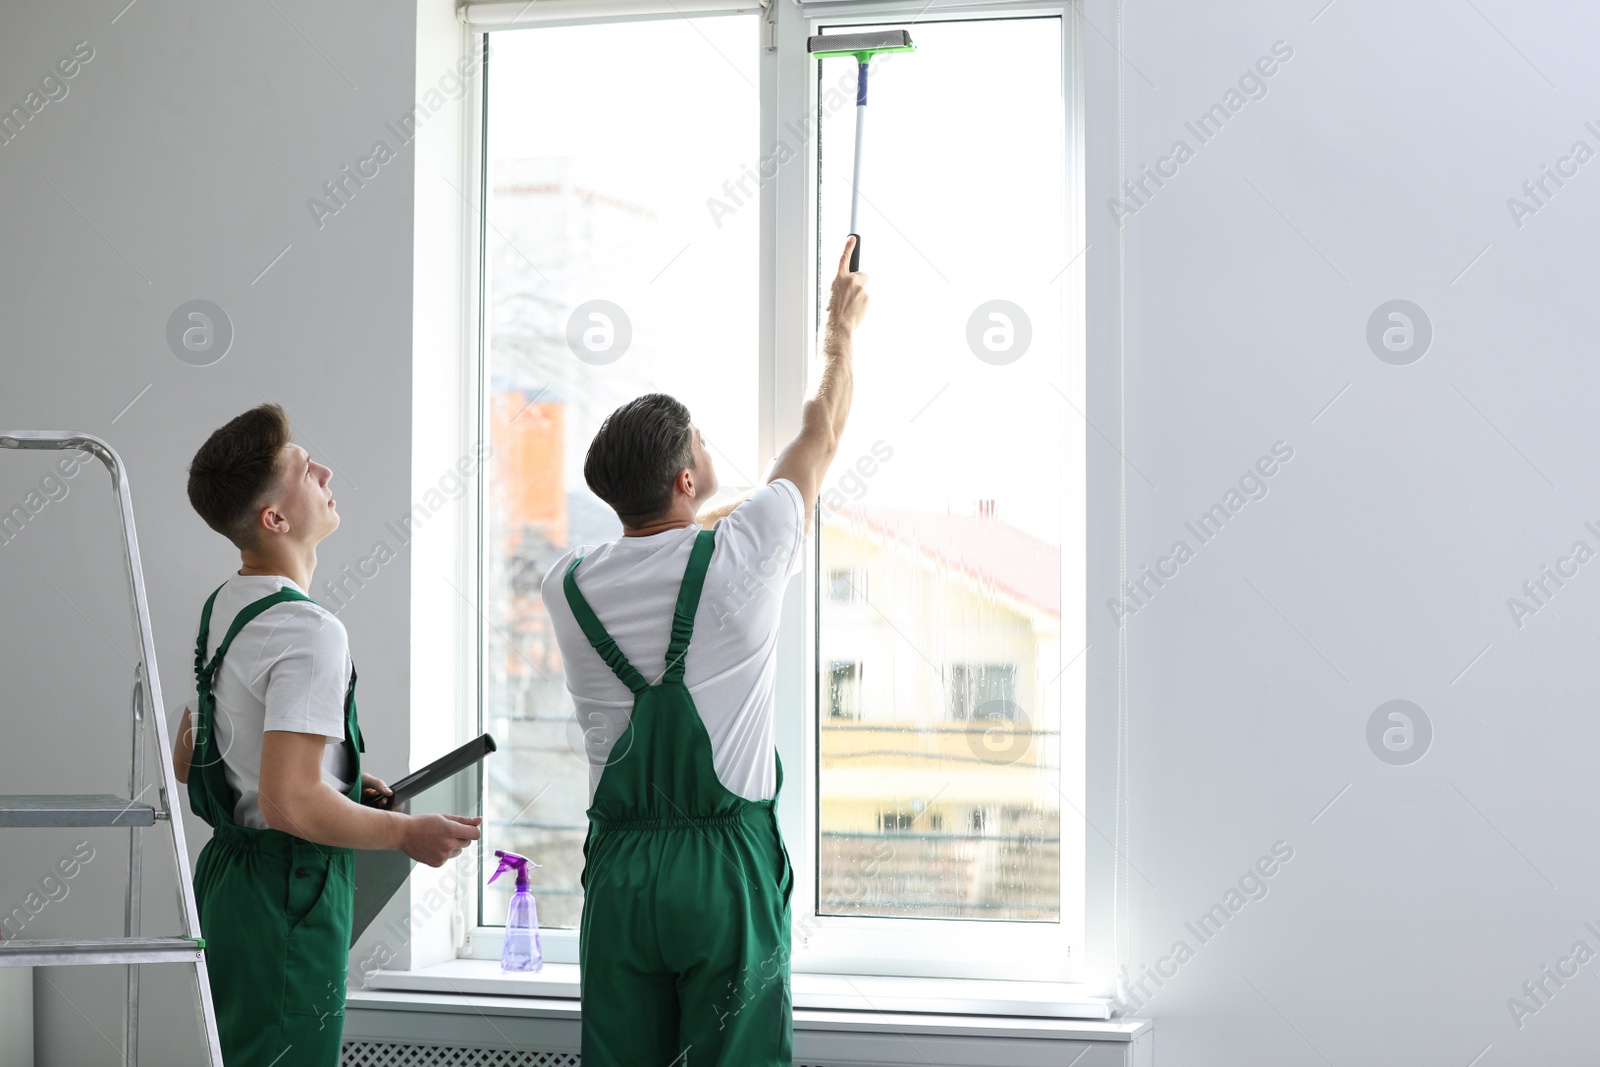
x: 961, y: 949
x: 849, y: 945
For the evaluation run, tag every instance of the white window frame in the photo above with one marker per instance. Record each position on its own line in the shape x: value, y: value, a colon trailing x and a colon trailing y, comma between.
x: 943, y: 948
x: 938, y: 948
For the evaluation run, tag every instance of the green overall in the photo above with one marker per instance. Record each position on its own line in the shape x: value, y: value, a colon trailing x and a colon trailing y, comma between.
x: 275, y: 910
x: 684, y: 942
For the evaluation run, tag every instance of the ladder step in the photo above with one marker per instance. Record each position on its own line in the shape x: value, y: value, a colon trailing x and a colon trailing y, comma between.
x: 76, y: 810
x: 78, y: 952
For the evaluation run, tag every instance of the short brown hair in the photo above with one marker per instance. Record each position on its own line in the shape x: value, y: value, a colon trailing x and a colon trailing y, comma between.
x: 637, y: 454
x: 236, y: 469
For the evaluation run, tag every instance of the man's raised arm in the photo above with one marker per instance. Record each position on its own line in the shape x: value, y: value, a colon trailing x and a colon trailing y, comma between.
x: 805, y: 460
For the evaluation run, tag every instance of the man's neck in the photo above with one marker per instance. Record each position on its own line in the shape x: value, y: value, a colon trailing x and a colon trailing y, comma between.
x: 674, y: 520
x: 296, y: 565
x: 658, y: 527
x: 661, y: 527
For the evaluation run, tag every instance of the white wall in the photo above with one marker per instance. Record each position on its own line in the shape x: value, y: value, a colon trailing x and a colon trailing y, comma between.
x: 1378, y: 567
x: 16, y: 1017
x: 181, y: 160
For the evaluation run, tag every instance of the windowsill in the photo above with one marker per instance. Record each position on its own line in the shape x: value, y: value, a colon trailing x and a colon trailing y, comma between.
x: 827, y: 994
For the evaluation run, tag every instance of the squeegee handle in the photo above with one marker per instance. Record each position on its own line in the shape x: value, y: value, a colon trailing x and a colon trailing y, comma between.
x: 855, y: 176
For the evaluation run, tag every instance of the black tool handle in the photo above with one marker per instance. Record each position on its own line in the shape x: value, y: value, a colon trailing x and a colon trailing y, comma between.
x: 434, y: 773
x: 855, y: 254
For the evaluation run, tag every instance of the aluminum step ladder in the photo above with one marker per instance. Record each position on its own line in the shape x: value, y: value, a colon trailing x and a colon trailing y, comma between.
x: 132, y: 812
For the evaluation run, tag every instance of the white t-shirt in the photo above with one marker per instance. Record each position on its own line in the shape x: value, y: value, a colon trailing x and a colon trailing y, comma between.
x: 288, y: 669
x: 632, y: 585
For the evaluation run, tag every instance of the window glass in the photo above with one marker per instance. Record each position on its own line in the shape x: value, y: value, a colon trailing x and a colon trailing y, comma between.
x: 621, y: 246
x: 958, y: 484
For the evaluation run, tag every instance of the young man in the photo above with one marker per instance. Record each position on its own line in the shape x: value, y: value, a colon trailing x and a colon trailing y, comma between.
x: 271, y: 751
x: 684, y: 939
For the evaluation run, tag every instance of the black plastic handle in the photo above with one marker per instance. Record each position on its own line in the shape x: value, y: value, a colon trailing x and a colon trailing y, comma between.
x: 434, y: 773
x: 855, y: 254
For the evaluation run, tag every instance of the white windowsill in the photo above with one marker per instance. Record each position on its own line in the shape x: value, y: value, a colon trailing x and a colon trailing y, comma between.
x: 998, y: 1001
x: 366, y: 1003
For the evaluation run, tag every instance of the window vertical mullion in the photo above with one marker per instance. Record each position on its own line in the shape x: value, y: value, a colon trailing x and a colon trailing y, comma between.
x: 787, y: 223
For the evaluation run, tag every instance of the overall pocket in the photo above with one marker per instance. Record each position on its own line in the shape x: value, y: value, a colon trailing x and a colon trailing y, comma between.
x: 321, y: 901
x: 786, y: 874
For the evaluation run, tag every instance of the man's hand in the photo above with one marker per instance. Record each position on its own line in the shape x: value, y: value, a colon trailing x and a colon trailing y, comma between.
x: 847, y: 303
x: 433, y: 839
x: 711, y: 516
x: 183, y: 748
x: 373, y: 787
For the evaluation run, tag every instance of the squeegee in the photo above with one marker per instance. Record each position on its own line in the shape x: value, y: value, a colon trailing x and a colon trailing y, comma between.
x: 863, y: 46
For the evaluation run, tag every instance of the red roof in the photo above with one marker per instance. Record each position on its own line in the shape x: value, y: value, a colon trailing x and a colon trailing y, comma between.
x: 987, y: 550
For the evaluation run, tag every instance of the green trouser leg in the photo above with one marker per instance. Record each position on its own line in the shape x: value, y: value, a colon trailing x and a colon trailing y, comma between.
x: 276, y: 915
x: 684, y: 944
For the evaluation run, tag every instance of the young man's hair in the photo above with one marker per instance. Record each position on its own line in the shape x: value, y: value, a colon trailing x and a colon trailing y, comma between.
x: 236, y: 472
x: 636, y: 456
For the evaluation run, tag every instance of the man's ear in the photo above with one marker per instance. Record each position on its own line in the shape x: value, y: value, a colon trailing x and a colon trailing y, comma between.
x: 273, y: 519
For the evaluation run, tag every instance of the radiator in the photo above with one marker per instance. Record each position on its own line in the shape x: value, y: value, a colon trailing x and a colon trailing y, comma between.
x: 383, y: 1054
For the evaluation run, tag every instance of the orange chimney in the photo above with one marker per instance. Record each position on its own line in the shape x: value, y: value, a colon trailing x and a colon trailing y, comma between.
x: 529, y: 440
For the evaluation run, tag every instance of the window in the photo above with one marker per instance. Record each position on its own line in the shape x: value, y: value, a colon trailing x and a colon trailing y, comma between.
x: 844, y: 691
x: 942, y: 731
x: 847, y: 586
x: 950, y: 788
x: 984, y: 691
x: 895, y: 822
x: 599, y: 260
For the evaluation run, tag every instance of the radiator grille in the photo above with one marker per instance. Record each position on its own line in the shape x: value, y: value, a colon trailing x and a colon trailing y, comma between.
x: 383, y: 1054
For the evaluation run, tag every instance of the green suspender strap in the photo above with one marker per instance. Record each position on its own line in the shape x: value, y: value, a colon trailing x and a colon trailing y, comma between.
x: 682, y: 618
x: 210, y: 795
x: 688, y: 600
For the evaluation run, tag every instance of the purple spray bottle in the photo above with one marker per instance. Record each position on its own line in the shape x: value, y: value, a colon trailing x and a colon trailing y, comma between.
x: 520, y: 950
